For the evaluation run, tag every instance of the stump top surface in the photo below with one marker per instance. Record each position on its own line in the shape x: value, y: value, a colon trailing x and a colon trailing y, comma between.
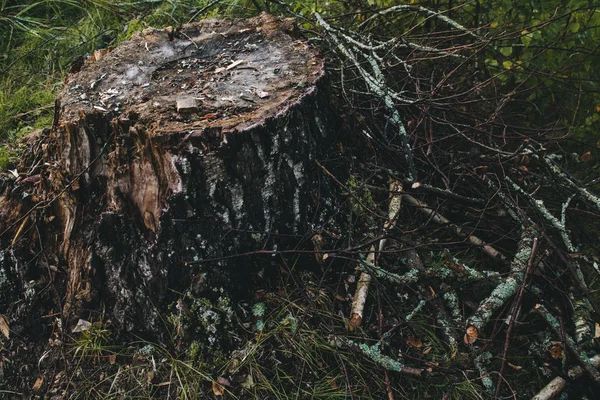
x: 223, y: 74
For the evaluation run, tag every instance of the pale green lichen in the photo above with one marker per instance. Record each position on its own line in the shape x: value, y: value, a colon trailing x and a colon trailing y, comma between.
x: 418, y: 308
x: 260, y: 325
x: 374, y: 353
x: 451, y: 300
x: 480, y: 362
x: 259, y: 309
x: 411, y: 276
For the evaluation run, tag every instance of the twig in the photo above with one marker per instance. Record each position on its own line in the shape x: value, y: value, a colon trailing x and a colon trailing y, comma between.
x: 405, y: 7
x: 440, y: 219
x: 200, y: 11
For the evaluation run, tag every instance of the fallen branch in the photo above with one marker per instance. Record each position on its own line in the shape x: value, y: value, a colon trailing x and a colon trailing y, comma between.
x: 374, y: 353
x: 557, y: 171
x: 515, y: 311
x: 506, y: 289
x: 364, y: 281
x: 376, y: 83
x: 539, y: 205
x: 558, y: 384
x: 441, y: 220
x: 583, y: 359
x: 423, y: 10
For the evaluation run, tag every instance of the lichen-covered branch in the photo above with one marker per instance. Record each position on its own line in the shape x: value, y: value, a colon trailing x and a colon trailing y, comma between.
x: 557, y: 171
x: 423, y: 10
x: 509, y: 287
x: 377, y: 85
x: 374, y: 353
x: 539, y: 205
x: 580, y: 355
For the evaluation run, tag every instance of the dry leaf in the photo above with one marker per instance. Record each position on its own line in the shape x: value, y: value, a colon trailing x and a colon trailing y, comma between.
x: 585, y: 157
x: 597, y: 330
x: 112, y: 359
x: 427, y: 351
x: 210, y: 116
x: 556, y: 351
x: 4, y: 327
x: 98, y: 54
x: 414, y: 342
x: 223, y: 381
x: 471, y: 335
x: 516, y: 367
x: 217, y: 389
x: 38, y: 384
x: 82, y: 325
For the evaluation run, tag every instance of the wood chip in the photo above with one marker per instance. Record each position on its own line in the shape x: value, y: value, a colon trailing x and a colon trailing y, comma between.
x: 38, y: 384
x: 235, y: 64
x: 187, y: 105
x: 262, y: 94
x: 4, y: 329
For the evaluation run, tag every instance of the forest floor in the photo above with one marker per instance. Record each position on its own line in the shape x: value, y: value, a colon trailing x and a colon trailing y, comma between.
x: 483, y: 283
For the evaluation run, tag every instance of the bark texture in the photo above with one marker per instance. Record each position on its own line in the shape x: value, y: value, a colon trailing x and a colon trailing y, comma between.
x: 174, y: 148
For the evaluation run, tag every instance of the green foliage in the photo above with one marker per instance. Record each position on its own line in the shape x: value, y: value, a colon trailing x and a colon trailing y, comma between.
x: 361, y: 198
x: 92, y: 342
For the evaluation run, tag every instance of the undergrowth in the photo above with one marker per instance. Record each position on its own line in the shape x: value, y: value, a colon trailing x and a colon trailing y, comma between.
x: 293, y: 344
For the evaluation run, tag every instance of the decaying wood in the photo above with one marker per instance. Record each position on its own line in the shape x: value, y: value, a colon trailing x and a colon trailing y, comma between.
x: 174, y: 147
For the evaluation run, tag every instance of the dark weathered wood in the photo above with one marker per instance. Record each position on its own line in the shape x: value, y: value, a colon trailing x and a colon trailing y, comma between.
x: 169, y: 150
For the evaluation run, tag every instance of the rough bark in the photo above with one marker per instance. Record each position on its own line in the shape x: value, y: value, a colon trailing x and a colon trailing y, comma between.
x: 175, y: 148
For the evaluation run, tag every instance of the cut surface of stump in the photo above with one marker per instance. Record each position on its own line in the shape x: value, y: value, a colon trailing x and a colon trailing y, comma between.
x: 176, y: 148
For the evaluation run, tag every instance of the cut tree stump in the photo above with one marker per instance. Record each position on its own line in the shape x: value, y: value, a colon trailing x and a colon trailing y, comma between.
x: 172, y: 150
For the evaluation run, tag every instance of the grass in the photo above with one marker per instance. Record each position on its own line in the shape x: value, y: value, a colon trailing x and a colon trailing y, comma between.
x: 290, y: 352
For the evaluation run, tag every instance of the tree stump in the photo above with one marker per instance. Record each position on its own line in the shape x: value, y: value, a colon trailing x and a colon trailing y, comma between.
x: 175, y: 148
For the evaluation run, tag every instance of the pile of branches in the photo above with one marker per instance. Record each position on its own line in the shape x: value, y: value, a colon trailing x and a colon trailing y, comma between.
x: 462, y: 175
